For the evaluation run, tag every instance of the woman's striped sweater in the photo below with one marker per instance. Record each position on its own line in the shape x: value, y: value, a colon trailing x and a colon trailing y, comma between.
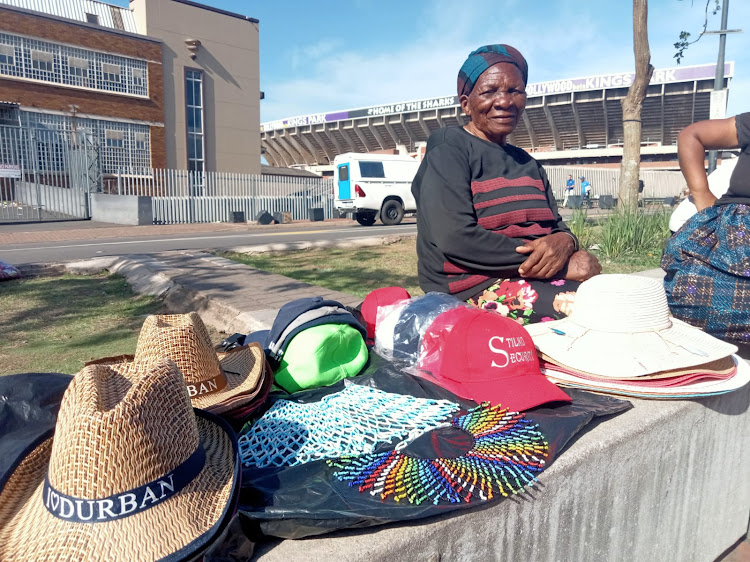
x: 477, y: 202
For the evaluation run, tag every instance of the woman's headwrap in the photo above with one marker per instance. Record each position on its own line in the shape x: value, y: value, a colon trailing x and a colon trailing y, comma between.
x: 483, y: 58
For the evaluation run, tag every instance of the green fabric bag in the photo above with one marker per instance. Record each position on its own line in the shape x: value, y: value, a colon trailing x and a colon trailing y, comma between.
x: 320, y: 356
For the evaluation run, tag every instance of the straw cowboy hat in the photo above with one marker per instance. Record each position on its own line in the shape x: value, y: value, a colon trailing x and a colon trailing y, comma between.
x: 132, y: 472
x: 620, y: 327
x: 212, y: 379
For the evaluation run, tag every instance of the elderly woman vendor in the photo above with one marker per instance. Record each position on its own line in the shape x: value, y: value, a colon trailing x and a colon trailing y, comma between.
x: 488, y: 227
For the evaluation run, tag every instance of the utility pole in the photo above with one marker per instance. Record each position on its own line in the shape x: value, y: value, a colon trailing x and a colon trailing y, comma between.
x: 716, y: 98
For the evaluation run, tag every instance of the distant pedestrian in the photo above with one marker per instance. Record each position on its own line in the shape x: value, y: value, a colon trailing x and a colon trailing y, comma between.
x: 569, y: 186
x: 585, y: 190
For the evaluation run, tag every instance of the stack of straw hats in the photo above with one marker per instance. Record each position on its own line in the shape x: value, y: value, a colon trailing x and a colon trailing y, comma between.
x: 132, y: 472
x: 231, y: 383
x: 620, y: 339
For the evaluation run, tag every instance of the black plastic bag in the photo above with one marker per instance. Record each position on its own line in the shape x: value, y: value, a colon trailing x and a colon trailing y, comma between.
x: 28, y: 408
x: 306, y: 500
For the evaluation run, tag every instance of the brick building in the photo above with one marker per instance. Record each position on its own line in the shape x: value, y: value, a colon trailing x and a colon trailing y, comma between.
x: 163, y: 83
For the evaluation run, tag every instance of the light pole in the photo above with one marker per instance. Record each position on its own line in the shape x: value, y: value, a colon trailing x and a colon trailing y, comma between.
x: 720, y: 100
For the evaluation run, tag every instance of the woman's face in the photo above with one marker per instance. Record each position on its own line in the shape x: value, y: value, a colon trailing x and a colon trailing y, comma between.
x: 496, y: 103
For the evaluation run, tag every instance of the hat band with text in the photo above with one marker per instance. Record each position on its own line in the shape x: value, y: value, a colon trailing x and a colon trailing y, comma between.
x: 125, y: 504
x: 207, y: 387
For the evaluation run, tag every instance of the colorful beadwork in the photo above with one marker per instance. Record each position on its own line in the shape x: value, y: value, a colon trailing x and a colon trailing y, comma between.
x: 508, y: 452
x: 354, y: 421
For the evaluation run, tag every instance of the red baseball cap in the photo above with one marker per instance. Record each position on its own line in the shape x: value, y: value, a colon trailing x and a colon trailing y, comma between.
x: 384, y: 296
x: 485, y: 357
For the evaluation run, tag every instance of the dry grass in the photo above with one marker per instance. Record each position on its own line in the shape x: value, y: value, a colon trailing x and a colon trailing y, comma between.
x: 358, y: 272
x: 55, y: 324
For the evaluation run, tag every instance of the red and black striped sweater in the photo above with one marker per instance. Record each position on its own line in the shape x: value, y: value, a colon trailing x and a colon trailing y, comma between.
x: 477, y: 202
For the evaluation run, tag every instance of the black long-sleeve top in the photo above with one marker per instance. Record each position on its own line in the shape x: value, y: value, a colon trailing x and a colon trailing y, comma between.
x: 477, y: 202
x: 739, y: 184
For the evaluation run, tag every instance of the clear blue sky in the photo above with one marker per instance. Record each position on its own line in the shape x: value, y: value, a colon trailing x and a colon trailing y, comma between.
x: 323, y: 56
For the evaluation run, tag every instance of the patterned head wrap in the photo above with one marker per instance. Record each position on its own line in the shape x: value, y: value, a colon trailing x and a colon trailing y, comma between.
x: 483, y: 58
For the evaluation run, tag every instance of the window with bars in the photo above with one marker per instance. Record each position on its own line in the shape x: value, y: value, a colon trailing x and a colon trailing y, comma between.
x: 78, y: 69
x: 140, y: 141
x: 62, y: 64
x: 121, y: 146
x: 42, y: 61
x: 114, y: 139
x: 7, y: 54
x: 137, y: 75
x: 111, y: 73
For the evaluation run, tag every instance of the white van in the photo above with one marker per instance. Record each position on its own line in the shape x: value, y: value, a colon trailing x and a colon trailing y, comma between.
x: 372, y: 185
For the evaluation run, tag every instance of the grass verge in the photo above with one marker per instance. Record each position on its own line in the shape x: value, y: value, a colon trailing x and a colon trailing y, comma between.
x: 55, y: 324
x: 357, y: 272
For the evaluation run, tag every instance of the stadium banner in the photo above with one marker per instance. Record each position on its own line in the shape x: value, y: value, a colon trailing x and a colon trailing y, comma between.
x: 625, y: 79
x: 391, y: 108
x: 618, y: 80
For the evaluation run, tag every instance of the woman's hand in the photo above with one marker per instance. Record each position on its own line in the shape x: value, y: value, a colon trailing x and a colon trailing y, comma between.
x: 547, y: 255
x: 582, y: 266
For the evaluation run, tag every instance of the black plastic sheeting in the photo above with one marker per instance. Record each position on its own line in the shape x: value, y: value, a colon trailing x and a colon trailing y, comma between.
x: 305, y: 500
x: 28, y: 408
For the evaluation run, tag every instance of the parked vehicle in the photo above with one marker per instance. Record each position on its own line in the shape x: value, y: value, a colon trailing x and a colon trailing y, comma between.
x: 369, y: 186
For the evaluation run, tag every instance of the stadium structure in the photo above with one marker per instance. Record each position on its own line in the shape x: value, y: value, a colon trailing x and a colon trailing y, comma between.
x: 576, y: 121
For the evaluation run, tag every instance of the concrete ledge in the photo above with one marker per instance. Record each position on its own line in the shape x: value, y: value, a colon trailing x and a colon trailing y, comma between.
x: 667, y: 480
x: 121, y: 209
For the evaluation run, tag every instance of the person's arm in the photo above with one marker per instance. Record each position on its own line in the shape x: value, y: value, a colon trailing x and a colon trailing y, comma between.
x: 549, y: 254
x: 692, y: 143
x: 442, y: 189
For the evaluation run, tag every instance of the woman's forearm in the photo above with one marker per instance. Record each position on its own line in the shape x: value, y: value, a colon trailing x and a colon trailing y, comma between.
x: 692, y: 143
x: 691, y: 152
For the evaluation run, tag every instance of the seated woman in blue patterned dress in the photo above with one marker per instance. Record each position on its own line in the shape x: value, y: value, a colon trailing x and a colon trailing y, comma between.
x: 488, y: 228
x: 708, y: 260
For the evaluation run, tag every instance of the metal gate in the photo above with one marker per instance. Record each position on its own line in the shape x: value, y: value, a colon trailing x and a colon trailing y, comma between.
x: 46, y: 173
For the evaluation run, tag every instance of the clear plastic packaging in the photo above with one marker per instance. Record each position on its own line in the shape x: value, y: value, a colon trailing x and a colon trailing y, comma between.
x: 400, y: 327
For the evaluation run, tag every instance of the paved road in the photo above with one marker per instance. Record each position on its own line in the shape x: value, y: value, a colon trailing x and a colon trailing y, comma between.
x: 40, y: 243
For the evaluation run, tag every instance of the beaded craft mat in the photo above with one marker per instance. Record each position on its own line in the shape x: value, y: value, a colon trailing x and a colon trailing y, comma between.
x: 508, y: 453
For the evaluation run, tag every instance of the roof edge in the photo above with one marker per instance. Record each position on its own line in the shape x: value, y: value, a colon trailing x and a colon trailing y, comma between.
x: 217, y: 10
x: 80, y: 23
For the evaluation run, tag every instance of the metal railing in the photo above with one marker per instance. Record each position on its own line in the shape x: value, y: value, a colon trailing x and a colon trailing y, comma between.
x: 657, y: 184
x: 45, y: 174
x: 181, y: 196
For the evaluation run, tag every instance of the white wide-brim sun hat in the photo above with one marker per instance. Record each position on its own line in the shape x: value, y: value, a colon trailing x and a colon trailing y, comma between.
x: 620, y: 327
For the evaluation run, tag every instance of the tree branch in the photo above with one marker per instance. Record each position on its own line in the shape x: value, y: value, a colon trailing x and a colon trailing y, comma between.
x: 683, y: 43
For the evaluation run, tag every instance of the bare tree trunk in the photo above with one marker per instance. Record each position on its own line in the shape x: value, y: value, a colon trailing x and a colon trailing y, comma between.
x: 631, y: 108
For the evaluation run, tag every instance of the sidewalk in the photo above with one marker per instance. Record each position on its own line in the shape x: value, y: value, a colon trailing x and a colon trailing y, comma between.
x: 231, y: 297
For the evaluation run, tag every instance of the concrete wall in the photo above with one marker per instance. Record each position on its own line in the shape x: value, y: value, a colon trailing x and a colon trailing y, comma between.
x: 53, y: 199
x: 121, y: 209
x: 229, y: 59
x: 667, y: 480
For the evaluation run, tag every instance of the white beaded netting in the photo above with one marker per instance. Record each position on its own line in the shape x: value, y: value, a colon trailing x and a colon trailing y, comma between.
x: 353, y: 421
